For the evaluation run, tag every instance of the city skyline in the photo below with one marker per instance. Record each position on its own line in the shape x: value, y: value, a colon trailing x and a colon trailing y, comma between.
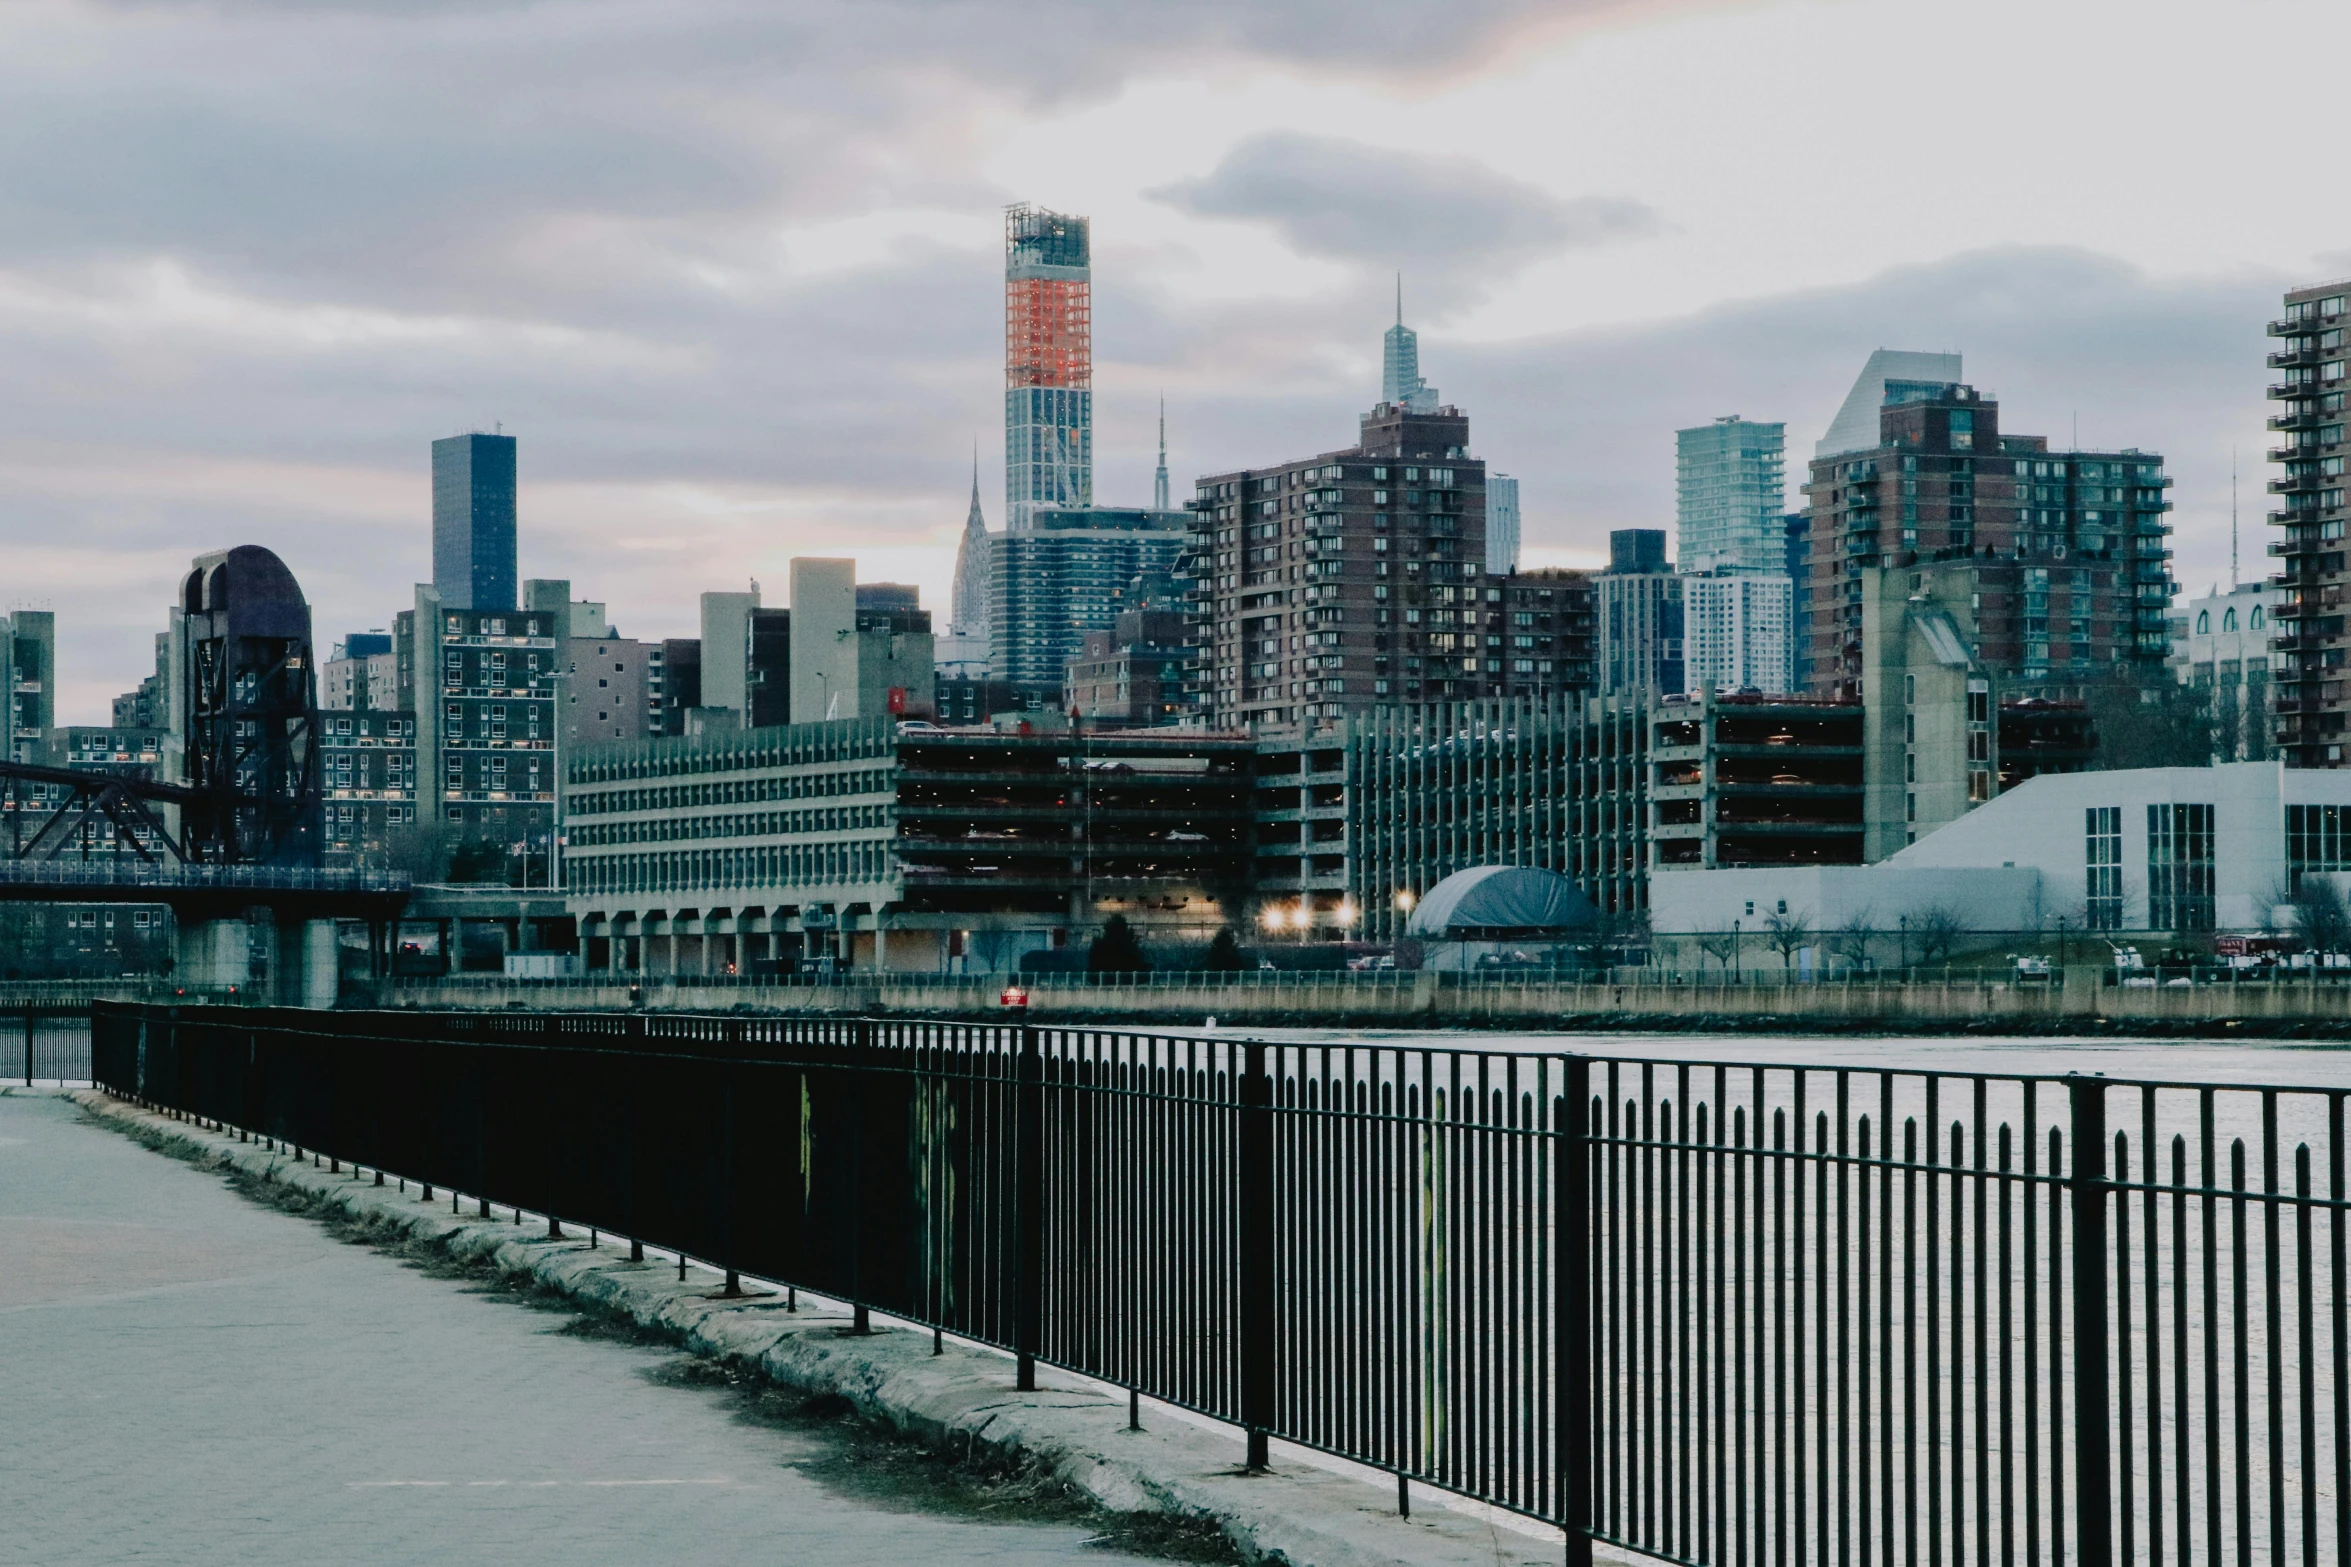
x: 719, y: 363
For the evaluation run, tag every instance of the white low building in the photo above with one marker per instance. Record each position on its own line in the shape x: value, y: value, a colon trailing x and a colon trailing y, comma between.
x: 2163, y: 849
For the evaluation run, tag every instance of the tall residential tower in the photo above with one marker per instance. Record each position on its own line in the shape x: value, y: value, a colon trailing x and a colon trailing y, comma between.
x: 28, y: 683
x: 2310, y: 359
x: 1730, y: 491
x: 2067, y: 548
x: 1048, y: 364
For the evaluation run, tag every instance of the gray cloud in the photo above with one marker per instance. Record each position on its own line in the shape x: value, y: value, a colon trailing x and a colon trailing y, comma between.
x: 1452, y: 220
x: 2169, y: 366
x: 1586, y: 419
x: 253, y: 257
x: 1050, y: 46
x: 842, y: 410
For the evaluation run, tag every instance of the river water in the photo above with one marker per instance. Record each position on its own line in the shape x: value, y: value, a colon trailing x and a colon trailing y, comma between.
x: 2275, y: 1063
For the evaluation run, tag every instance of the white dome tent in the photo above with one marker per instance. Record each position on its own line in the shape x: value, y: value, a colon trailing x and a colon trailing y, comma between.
x: 1500, y: 916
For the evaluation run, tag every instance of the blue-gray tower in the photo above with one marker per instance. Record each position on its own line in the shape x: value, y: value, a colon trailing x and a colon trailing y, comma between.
x: 473, y: 521
x: 1400, y: 382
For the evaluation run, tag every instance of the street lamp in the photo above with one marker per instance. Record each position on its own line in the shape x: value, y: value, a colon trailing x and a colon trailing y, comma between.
x: 1736, y: 964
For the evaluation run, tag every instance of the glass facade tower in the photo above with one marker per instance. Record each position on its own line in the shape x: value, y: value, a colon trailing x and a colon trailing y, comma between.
x: 1730, y: 483
x: 473, y: 522
x: 1048, y: 364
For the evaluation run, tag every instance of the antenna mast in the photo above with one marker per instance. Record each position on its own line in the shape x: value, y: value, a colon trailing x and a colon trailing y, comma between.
x: 2232, y: 518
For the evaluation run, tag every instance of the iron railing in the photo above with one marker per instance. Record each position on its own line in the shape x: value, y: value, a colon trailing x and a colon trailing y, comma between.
x: 168, y: 875
x: 45, y: 1044
x: 1708, y: 1313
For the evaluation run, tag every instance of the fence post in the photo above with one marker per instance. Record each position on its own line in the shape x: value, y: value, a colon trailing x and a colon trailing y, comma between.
x: 1571, y: 1305
x: 1028, y: 1208
x: 1254, y: 1273
x: 2093, y: 1466
x: 28, y: 1044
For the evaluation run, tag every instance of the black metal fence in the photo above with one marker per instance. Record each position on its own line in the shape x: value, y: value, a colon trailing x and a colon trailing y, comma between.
x: 1709, y: 1313
x: 45, y: 1044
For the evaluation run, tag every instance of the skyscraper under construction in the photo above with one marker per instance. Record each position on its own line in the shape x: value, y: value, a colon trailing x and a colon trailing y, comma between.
x: 1048, y: 364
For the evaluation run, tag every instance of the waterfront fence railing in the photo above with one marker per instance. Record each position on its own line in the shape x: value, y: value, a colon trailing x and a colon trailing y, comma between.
x: 1704, y: 1312
x: 45, y: 1042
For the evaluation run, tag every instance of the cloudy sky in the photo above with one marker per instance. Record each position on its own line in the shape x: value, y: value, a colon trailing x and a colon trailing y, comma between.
x: 730, y: 268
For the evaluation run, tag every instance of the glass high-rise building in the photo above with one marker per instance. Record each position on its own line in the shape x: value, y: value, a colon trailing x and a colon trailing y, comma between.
x: 1068, y: 573
x: 1501, y: 525
x: 473, y: 522
x: 1400, y: 382
x: 1730, y: 485
x: 1048, y: 364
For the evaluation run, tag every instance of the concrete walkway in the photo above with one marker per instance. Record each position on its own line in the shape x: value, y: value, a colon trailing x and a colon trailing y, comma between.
x: 186, y: 1376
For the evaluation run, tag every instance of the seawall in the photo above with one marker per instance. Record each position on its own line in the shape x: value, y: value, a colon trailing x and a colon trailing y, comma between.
x: 2083, y: 1003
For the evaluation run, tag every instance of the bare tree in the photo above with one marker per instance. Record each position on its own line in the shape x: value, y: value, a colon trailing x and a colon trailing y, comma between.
x: 421, y: 849
x: 2151, y: 721
x: 2317, y: 912
x: 1787, y: 935
x: 995, y: 951
x: 1721, y: 944
x: 1936, y: 931
x: 1851, y: 940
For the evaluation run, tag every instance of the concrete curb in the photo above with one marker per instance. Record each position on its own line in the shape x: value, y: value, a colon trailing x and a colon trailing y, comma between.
x: 1296, y: 1515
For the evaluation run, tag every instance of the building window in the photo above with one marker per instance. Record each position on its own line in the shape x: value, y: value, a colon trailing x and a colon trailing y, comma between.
x: 2316, y: 840
x: 2102, y: 855
x: 2179, y: 867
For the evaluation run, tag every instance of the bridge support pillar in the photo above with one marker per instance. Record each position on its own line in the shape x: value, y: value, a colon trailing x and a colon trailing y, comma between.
x: 215, y: 955
x: 299, y: 964
x: 308, y: 969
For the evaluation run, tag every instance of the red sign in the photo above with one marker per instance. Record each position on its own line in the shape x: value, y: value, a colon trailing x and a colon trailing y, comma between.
x: 897, y: 700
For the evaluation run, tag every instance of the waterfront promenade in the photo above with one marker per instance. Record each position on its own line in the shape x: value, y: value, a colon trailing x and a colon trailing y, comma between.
x: 191, y: 1377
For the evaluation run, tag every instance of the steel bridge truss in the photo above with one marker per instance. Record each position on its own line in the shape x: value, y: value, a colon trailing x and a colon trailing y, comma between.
x: 82, y: 810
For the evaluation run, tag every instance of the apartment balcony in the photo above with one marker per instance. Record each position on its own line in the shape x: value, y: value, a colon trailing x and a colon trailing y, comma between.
x: 2302, y: 483
x: 2288, y: 328
x: 2291, y: 389
x: 2294, y: 418
x: 2287, y: 357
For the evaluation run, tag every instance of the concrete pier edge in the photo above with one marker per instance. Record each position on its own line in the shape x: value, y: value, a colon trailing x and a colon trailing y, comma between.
x: 1296, y: 1514
x: 2082, y: 1006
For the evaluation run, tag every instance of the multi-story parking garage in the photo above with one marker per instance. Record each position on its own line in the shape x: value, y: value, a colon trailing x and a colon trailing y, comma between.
x: 871, y: 843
